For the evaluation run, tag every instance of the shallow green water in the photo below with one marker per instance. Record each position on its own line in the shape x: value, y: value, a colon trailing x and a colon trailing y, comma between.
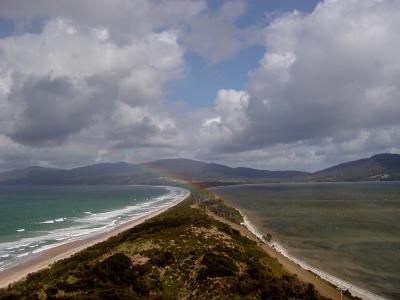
x: 351, y: 230
x: 36, y: 218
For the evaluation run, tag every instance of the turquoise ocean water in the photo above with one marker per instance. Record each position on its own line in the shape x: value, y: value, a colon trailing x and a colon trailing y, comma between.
x: 36, y: 218
x: 350, y: 230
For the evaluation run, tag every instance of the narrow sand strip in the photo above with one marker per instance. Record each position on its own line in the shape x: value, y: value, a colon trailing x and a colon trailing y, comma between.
x: 50, y: 256
x: 290, y: 263
x: 320, y: 285
x: 339, y: 283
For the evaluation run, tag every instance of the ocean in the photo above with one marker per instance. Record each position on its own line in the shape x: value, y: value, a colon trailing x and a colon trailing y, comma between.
x: 36, y: 218
x: 349, y: 230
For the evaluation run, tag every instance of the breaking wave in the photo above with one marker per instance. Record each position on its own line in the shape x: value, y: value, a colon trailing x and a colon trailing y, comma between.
x: 84, y: 226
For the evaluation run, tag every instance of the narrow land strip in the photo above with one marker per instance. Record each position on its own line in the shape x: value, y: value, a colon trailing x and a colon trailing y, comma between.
x: 323, y: 287
x: 180, y: 254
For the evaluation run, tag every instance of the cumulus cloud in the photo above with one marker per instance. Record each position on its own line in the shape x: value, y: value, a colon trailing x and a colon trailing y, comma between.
x: 69, y: 76
x: 227, y: 120
x: 332, y: 72
x: 215, y: 36
x: 89, y: 85
x: 50, y: 109
x: 210, y: 34
x: 123, y: 18
x: 139, y: 127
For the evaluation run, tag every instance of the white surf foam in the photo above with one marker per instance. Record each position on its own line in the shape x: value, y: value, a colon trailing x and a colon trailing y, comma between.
x: 90, y: 224
x: 23, y: 254
x: 21, y: 230
x: 12, y: 246
x: 47, y: 247
x: 52, y: 221
x: 47, y: 222
x: 339, y: 283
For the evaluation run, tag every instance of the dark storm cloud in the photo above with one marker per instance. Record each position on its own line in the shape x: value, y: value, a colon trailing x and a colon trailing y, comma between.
x: 140, y: 133
x: 53, y: 108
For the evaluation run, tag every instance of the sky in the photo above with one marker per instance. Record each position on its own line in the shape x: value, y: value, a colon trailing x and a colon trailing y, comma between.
x: 272, y: 84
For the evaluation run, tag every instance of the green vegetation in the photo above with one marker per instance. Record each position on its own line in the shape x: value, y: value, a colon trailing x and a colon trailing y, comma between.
x: 216, y: 265
x: 180, y: 254
x: 348, y: 295
x: 268, y: 238
x: 219, y: 207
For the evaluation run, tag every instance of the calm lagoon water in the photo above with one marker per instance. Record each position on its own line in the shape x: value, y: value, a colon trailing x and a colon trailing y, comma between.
x: 35, y: 218
x: 351, y: 230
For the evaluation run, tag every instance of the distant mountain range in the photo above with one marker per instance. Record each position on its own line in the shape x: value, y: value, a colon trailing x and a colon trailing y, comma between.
x: 197, y: 170
x: 377, y: 167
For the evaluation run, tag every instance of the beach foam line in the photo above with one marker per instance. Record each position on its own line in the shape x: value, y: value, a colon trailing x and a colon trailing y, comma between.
x: 47, y: 222
x: 47, y: 247
x: 101, y: 222
x: 339, y: 283
x: 87, y: 226
x: 136, y: 211
x: 44, y: 259
x: 23, y: 254
x: 58, y: 220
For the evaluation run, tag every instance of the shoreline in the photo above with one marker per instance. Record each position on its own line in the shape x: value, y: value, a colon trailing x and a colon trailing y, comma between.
x: 337, y: 282
x: 279, y: 252
x: 47, y: 257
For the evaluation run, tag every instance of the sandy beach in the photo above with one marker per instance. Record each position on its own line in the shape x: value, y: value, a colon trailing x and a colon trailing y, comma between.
x: 283, y: 253
x: 328, y: 284
x: 47, y: 257
x: 322, y: 281
x: 323, y: 287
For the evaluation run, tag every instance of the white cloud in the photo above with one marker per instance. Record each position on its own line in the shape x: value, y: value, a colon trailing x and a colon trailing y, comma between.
x: 231, y: 106
x: 334, y: 70
x: 65, y: 48
x: 70, y: 76
x: 93, y: 81
x: 123, y: 18
x: 214, y: 35
x: 226, y: 120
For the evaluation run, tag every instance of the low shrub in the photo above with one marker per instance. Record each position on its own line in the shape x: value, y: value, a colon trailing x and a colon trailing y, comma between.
x: 216, y: 265
x: 115, y: 269
x: 162, y: 258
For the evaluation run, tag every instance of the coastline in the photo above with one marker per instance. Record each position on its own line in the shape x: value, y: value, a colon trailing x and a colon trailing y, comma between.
x: 52, y: 255
x: 337, y: 282
x: 293, y: 265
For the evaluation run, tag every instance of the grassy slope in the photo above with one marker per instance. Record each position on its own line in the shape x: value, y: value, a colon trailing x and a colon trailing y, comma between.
x: 180, y: 254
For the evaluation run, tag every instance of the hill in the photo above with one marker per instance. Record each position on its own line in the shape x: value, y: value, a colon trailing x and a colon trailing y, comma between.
x: 197, y: 170
x: 377, y: 167
x: 105, y: 173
